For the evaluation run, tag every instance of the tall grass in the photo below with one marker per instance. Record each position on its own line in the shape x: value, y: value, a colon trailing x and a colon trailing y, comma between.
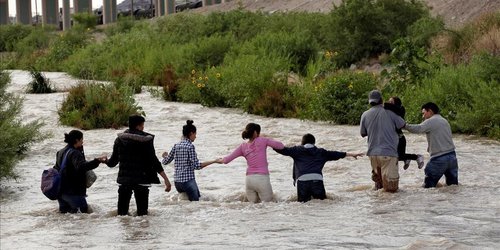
x: 39, y: 84
x: 480, y: 36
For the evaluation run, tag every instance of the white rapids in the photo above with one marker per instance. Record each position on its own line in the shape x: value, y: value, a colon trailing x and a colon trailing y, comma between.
x: 354, y: 216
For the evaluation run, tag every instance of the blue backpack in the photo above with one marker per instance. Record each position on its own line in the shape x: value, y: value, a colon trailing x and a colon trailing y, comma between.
x: 51, y: 180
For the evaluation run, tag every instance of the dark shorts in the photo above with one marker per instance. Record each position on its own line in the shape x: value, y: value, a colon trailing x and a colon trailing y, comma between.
x: 446, y: 165
x: 190, y: 188
x: 308, y: 189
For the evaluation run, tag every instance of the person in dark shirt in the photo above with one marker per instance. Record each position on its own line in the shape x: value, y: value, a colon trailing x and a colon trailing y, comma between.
x: 308, y: 163
x: 73, y: 176
x: 395, y: 105
x: 134, y: 150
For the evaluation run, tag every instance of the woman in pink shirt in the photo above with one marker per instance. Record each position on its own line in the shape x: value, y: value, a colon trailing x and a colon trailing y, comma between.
x: 258, y: 184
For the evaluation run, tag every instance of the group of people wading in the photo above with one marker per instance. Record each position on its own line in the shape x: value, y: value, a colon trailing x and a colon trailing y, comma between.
x: 139, y: 167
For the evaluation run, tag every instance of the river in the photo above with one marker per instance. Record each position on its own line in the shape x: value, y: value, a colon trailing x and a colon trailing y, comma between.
x: 354, y: 216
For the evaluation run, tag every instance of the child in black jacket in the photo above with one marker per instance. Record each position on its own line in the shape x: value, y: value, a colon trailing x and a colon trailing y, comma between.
x: 395, y: 105
x: 308, y: 163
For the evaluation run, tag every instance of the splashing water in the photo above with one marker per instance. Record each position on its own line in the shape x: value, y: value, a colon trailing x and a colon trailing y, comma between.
x: 353, y: 216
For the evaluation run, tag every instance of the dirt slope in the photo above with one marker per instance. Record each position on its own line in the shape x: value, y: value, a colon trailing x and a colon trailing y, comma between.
x: 454, y: 12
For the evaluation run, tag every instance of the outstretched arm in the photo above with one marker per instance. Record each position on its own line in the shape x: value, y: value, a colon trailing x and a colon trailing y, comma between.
x: 206, y: 163
x: 115, y: 156
x: 418, y: 128
x: 284, y: 151
x: 236, y: 153
x: 355, y: 155
x: 274, y: 143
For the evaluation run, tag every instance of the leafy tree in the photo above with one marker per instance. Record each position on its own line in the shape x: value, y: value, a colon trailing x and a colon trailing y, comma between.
x: 363, y: 28
x: 15, y: 137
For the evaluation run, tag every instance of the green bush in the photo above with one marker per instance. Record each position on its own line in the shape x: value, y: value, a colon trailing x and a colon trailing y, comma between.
x: 10, y: 35
x: 84, y: 20
x: 411, y: 65
x: 298, y: 47
x: 243, y: 25
x: 39, y: 84
x: 124, y: 25
x: 488, y: 67
x: 64, y: 46
x: 189, y: 92
x: 341, y: 97
x: 38, y: 39
x: 352, y: 33
x: 90, y: 106
x: 181, y: 28
x: 15, y: 136
x: 481, y: 116
x: 424, y: 29
x: 208, y: 84
x: 206, y: 52
x: 246, y: 79
x: 89, y: 63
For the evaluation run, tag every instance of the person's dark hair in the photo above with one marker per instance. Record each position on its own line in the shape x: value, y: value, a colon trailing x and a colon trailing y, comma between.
x: 188, y: 128
x: 397, y: 101
x: 134, y: 121
x: 72, y: 136
x: 431, y: 106
x: 308, y: 139
x: 249, y: 130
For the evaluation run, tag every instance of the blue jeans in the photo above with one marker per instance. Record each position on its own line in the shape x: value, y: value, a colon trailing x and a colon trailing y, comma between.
x: 190, y: 188
x: 446, y: 165
x: 72, y: 204
x: 306, y: 189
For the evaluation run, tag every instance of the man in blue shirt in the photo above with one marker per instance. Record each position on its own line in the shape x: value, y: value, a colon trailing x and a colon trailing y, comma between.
x: 308, y: 163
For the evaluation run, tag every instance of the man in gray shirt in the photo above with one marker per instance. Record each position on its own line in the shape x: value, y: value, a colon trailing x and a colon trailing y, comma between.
x: 380, y: 126
x: 440, y: 146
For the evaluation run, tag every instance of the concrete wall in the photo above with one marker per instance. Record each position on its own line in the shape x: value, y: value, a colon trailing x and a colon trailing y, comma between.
x: 50, y: 12
x: 109, y: 11
x: 159, y: 7
x: 66, y: 16
x: 23, y: 12
x: 82, y: 6
x: 170, y: 6
x: 4, y: 12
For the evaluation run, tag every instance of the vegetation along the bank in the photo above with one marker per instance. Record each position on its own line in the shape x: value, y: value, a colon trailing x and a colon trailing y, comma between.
x: 305, y: 65
x: 16, y: 136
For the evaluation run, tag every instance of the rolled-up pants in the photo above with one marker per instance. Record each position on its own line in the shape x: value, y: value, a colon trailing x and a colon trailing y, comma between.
x: 385, y: 172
